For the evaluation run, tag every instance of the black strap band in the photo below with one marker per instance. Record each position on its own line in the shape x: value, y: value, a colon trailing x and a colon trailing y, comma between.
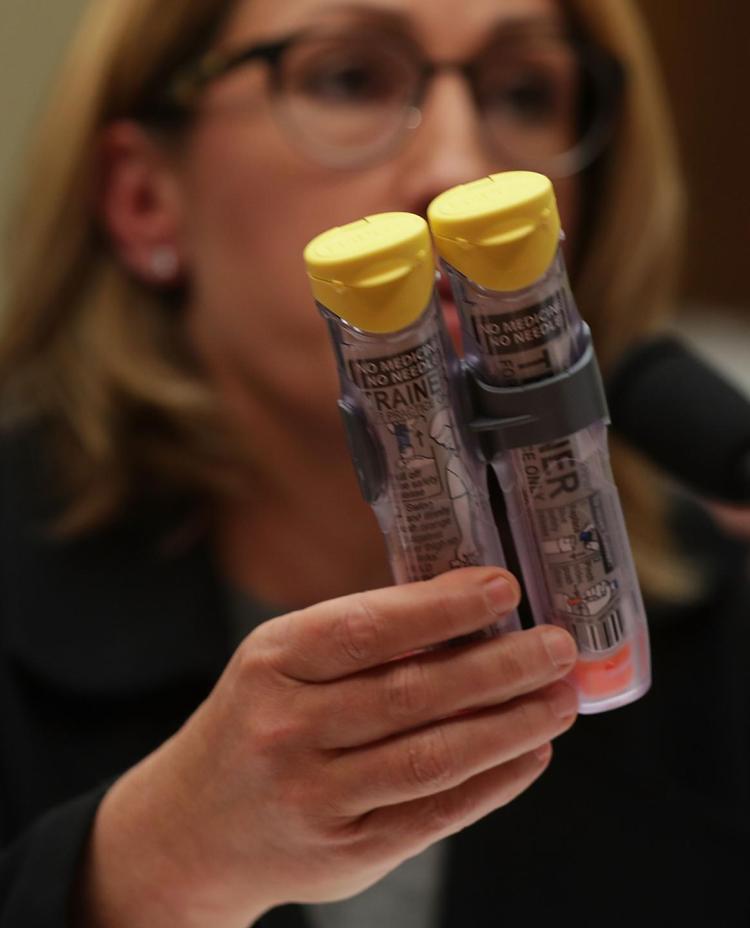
x: 541, y: 412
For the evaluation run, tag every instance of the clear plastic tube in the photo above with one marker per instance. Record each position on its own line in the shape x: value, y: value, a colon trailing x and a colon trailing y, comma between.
x: 426, y: 480
x: 563, y: 506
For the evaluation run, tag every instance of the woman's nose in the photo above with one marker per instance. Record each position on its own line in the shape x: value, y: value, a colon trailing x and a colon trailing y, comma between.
x: 449, y: 146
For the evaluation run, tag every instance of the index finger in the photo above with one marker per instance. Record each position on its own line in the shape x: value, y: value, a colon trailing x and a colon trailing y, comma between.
x: 352, y: 633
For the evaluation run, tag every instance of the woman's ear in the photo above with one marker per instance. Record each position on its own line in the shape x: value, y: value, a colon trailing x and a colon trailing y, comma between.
x: 140, y: 203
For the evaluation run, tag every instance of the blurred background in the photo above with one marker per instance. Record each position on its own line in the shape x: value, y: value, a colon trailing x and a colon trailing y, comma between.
x: 703, y: 49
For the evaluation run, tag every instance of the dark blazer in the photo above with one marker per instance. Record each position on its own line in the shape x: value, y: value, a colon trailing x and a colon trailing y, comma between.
x: 108, y: 643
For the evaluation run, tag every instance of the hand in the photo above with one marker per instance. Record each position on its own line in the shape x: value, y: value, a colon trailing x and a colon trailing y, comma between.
x: 323, y: 757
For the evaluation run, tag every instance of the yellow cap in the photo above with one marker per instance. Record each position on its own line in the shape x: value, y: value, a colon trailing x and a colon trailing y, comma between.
x: 377, y: 273
x: 501, y: 231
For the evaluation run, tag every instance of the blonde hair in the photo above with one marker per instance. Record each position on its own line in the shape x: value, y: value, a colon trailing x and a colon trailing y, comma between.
x: 86, y: 346
x: 101, y: 356
x: 626, y: 282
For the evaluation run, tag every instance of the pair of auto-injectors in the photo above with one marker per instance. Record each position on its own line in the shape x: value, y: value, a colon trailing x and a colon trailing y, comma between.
x: 527, y: 400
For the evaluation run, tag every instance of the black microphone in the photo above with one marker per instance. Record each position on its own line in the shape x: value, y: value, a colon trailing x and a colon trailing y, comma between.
x: 685, y: 416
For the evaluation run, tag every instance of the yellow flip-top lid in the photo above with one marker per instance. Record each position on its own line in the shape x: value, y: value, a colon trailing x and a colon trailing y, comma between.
x: 501, y: 231
x: 377, y: 273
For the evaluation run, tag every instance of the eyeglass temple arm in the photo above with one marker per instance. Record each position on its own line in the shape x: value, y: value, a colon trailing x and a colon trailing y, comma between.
x: 186, y: 86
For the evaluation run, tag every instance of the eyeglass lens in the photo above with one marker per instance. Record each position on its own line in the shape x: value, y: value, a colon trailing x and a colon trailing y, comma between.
x: 348, y: 97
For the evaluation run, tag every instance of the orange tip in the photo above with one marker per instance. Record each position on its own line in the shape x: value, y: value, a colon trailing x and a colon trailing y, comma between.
x: 599, y: 679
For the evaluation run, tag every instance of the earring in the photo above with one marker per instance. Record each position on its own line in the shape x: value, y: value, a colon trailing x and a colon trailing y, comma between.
x: 165, y: 263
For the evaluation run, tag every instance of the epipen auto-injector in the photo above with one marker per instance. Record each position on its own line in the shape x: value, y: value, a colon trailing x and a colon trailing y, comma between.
x: 418, y: 465
x: 536, y: 387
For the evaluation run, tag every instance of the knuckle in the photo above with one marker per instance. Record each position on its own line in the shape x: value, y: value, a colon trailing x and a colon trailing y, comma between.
x: 526, y: 721
x: 343, y: 838
x: 563, y: 723
x: 359, y: 631
x: 276, y: 733
x: 307, y: 794
x: 448, y: 604
x: 262, y: 652
x: 292, y: 797
x: 430, y: 760
x: 510, y: 666
x: 297, y: 800
x: 560, y: 702
x: 250, y: 656
x: 268, y: 738
x: 332, y: 807
x: 567, y: 722
x: 447, y: 812
x: 407, y: 690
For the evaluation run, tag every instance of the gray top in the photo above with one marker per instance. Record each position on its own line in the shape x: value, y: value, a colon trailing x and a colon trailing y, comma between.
x: 408, y: 897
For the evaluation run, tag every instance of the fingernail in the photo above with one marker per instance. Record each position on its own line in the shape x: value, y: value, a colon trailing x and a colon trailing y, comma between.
x: 543, y: 753
x: 564, y: 701
x: 560, y: 647
x: 501, y: 594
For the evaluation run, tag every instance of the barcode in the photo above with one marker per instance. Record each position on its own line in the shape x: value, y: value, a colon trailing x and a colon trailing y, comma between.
x: 599, y: 634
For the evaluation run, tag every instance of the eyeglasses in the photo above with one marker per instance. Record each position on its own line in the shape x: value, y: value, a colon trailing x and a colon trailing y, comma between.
x: 547, y: 101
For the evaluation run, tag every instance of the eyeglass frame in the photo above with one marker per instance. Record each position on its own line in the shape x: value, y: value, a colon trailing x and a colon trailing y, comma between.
x: 177, y: 102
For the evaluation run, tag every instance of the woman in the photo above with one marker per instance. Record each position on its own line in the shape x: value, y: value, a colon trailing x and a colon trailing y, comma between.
x: 174, y: 473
